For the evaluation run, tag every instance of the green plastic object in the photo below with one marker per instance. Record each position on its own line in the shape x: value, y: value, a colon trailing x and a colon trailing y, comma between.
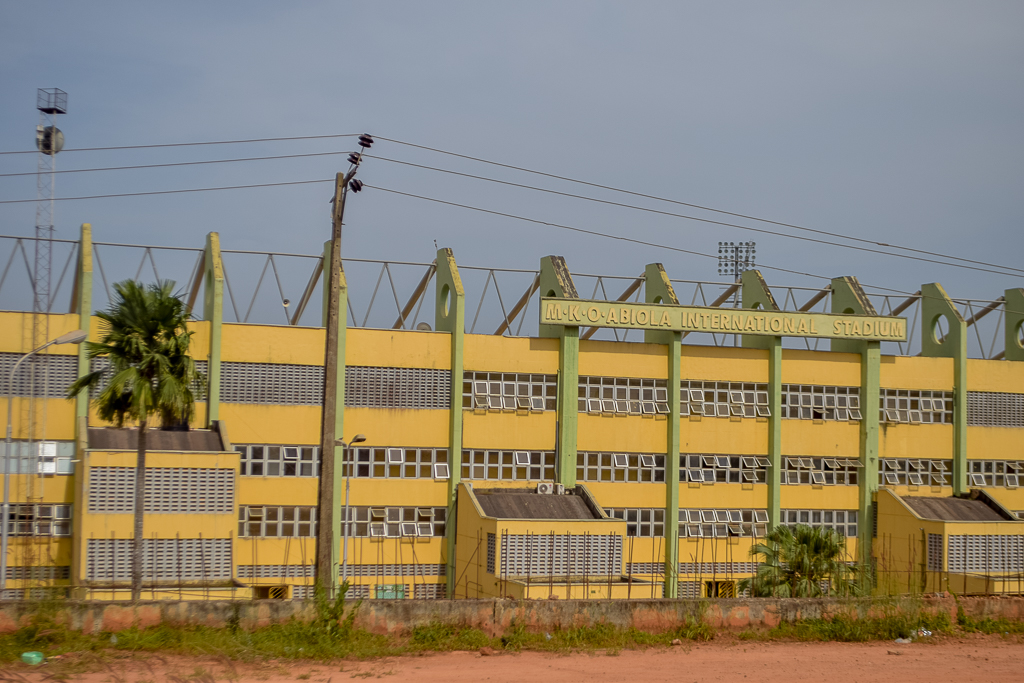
x: 33, y: 658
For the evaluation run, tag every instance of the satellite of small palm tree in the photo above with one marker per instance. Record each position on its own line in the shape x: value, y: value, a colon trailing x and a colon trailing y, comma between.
x: 144, y: 336
x: 801, y: 562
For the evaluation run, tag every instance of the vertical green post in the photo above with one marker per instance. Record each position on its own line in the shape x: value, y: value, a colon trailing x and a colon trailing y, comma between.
x: 757, y: 295
x: 213, y: 310
x: 848, y: 298
x: 450, y: 316
x: 339, y: 413
x: 658, y: 290
x: 936, y: 304
x: 1013, y: 320
x: 555, y: 281
x: 82, y: 305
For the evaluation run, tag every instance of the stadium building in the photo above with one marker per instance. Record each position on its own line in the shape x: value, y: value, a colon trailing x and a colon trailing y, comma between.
x: 570, y: 463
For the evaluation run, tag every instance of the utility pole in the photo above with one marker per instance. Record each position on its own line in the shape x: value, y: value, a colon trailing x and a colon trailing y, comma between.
x: 327, y: 546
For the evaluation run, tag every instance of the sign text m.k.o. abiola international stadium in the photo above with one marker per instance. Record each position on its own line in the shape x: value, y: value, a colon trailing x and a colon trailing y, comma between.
x: 581, y: 313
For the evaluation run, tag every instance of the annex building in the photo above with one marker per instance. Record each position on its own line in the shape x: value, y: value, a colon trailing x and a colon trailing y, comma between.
x: 528, y: 466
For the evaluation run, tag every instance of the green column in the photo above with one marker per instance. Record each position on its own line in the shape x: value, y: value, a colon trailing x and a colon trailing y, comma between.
x: 936, y: 304
x: 555, y: 281
x: 658, y: 290
x: 213, y: 310
x: 1013, y: 320
x: 756, y: 295
x: 849, y: 299
x: 450, y: 316
x: 82, y: 305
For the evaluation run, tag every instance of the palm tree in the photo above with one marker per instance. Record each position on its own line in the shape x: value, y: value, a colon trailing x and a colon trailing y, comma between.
x: 800, y: 562
x: 145, y: 338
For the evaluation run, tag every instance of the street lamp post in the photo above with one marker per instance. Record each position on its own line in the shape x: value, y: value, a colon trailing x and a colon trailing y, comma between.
x: 75, y: 337
x: 358, y: 438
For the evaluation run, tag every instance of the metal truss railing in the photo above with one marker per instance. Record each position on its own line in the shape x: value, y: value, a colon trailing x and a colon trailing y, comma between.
x: 262, y: 287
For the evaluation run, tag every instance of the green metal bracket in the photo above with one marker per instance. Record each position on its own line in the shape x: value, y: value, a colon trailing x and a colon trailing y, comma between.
x: 213, y: 310
x: 450, y: 316
x: 936, y: 306
x: 1014, y: 349
x: 756, y: 295
x: 658, y: 290
x: 849, y: 298
x: 555, y: 281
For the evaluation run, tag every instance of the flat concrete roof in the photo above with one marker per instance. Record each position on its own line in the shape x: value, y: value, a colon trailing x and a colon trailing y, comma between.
x: 111, y: 439
x: 528, y: 504
x: 954, y: 509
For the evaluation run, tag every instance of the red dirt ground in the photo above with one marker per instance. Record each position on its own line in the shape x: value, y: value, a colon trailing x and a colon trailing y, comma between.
x: 981, y: 658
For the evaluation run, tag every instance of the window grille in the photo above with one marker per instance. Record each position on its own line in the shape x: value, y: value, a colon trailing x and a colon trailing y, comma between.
x: 57, y: 371
x: 985, y: 553
x: 935, y: 552
x: 377, y: 387
x: 429, y: 591
x: 274, y: 383
x: 722, y: 568
x: 817, y: 402
x: 914, y: 472
x: 723, y: 469
x: 1006, y: 473
x: 39, y: 520
x: 276, y: 571
x: 355, y: 592
x: 408, y: 569
x: 501, y: 466
x: 636, y: 467
x: 42, y: 457
x: 723, y: 399
x: 623, y: 396
x: 397, y: 463
x: 995, y: 409
x: 560, y: 554
x: 642, y: 522
x: 509, y: 391
x: 38, y: 573
x: 648, y: 568
x: 843, y: 521
x: 177, y: 490
x: 102, y: 365
x: 273, y: 521
x: 278, y: 461
x: 393, y: 521
x: 820, y: 471
x: 492, y: 552
x: 689, y: 589
x: 717, y: 523
x: 163, y: 559
x: 912, y: 406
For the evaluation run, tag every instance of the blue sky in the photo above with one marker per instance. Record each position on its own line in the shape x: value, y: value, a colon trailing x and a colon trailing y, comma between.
x: 898, y: 122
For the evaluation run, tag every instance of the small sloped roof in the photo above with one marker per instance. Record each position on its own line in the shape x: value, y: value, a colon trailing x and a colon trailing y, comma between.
x: 528, y: 504
x: 953, y: 509
x: 110, y: 439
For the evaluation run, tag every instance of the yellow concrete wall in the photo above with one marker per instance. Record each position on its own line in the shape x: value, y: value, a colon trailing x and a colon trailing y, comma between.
x: 524, y: 431
x: 724, y: 364
x: 728, y: 436
x: 620, y: 359
x: 820, y: 367
x: 490, y: 353
x: 995, y: 375
x: 932, y: 441
x: 916, y: 372
x: 16, y: 332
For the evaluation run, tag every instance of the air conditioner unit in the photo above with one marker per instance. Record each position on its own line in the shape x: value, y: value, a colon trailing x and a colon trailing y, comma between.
x: 559, y: 490
x: 545, y: 488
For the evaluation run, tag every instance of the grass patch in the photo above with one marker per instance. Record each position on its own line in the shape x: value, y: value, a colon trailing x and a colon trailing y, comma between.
x: 843, y: 628
x: 986, y: 625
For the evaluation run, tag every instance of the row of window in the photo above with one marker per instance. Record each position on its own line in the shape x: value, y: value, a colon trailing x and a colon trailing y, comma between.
x: 915, y: 407
x: 509, y: 391
x: 723, y: 399
x: 1008, y: 473
x: 622, y: 396
x: 508, y: 465
x: 843, y: 521
x: 820, y: 471
x: 400, y: 463
x: 39, y: 520
x: 915, y: 472
x: 816, y: 402
x: 396, y: 522
x: 278, y: 461
x: 725, y: 469
x: 274, y: 521
x: 611, y: 467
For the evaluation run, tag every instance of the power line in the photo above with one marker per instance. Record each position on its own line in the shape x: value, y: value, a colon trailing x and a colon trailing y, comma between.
x: 194, y: 189
x: 179, y: 163
x: 194, y: 144
x: 696, y: 218
x: 694, y: 206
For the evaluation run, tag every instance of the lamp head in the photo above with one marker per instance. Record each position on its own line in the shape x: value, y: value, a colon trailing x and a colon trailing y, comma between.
x: 74, y: 337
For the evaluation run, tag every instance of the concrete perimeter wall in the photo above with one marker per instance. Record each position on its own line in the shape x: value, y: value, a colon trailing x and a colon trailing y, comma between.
x: 495, y: 616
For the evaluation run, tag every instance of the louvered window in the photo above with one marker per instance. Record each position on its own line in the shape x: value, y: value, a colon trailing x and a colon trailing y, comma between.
x: 49, y: 375
x: 173, y: 490
x: 913, y: 406
x: 408, y: 569
x: 723, y: 469
x: 509, y: 391
x: 709, y: 523
x: 634, y: 467
x: 560, y: 554
x: 622, y: 396
x: 395, y: 521
x: 724, y: 399
x: 820, y: 471
x: 379, y: 387
x: 276, y: 571
x: 914, y: 472
x: 429, y: 591
x: 994, y: 409
x: 935, y: 552
x: 38, y: 573
x: 274, y: 383
x: 163, y: 559
x: 985, y: 553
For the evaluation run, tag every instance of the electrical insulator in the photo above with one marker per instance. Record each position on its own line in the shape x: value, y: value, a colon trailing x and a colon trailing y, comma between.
x: 365, y: 141
x: 356, y: 185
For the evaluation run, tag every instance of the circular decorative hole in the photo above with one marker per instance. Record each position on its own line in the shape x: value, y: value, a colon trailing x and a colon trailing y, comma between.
x: 446, y: 300
x: 657, y: 300
x: 1020, y: 334
x: 940, y: 328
